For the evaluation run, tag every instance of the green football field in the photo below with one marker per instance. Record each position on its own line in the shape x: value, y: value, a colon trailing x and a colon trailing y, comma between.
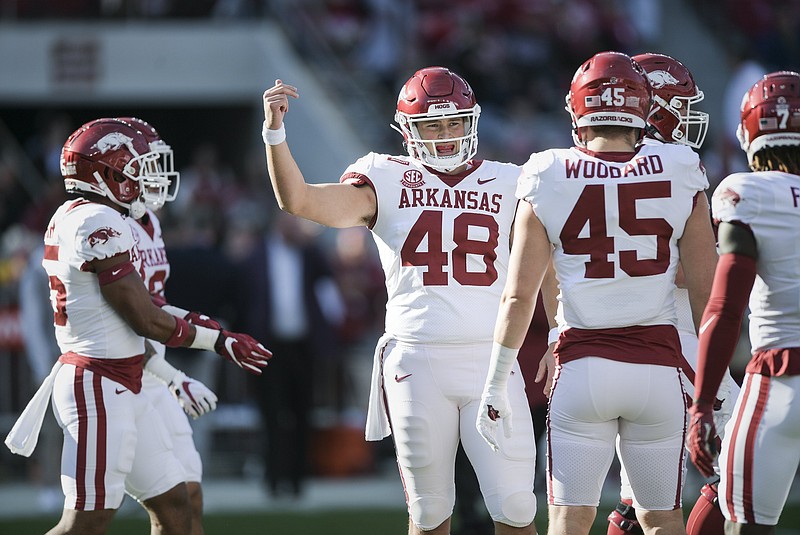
x: 350, y: 522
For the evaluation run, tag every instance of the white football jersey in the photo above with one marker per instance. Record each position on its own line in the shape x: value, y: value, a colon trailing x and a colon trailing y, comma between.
x: 769, y: 204
x: 81, y: 231
x: 443, y: 242
x: 615, y: 220
x: 149, y: 257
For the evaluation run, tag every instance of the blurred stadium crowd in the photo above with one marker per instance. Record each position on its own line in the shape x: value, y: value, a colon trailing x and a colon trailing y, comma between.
x: 517, y: 54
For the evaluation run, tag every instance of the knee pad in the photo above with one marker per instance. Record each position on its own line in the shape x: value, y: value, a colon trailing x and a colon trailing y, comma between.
x: 517, y: 510
x: 622, y: 520
x: 706, y: 516
x: 429, y: 512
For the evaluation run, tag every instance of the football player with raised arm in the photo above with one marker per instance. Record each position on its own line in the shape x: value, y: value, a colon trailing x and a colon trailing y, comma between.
x: 758, y: 217
x: 114, y: 440
x: 442, y: 223
x: 673, y: 119
x: 619, y: 217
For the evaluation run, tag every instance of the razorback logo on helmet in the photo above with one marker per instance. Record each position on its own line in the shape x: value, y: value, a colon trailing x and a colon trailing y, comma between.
x: 412, y: 179
x: 113, y: 141
x: 102, y: 235
x: 659, y: 79
x: 730, y: 196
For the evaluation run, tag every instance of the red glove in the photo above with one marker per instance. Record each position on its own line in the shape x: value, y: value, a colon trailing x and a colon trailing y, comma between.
x: 243, y: 350
x: 702, y: 440
x: 198, y: 318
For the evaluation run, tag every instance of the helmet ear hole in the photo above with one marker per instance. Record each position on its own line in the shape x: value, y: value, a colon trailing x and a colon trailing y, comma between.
x: 116, y: 177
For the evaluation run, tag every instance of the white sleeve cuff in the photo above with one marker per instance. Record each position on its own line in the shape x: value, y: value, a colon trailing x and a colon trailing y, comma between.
x: 163, y: 370
x: 178, y: 312
x: 502, y: 361
x: 204, y: 338
x: 552, y: 336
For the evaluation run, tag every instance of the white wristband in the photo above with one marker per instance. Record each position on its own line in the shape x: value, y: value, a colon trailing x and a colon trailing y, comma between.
x: 502, y: 361
x: 552, y: 336
x: 163, y: 370
x: 273, y: 137
x: 178, y: 312
x: 204, y: 338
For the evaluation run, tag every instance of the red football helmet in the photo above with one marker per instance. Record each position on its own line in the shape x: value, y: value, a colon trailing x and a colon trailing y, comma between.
x: 435, y: 93
x: 608, y: 89
x: 770, y: 113
x: 111, y: 158
x: 155, y: 197
x: 674, y: 91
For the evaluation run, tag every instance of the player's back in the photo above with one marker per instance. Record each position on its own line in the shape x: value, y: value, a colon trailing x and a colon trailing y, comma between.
x: 615, y: 220
x: 85, y: 323
x: 768, y: 202
x: 443, y: 241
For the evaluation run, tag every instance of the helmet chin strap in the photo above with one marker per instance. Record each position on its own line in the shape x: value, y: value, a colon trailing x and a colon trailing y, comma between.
x: 136, y: 209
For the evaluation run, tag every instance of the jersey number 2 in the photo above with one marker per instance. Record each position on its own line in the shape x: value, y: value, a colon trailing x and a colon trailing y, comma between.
x: 429, y: 225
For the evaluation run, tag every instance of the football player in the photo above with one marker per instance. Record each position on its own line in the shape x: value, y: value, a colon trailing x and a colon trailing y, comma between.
x: 758, y: 216
x: 619, y: 217
x: 673, y: 120
x: 442, y: 223
x: 182, y: 394
x: 114, y: 441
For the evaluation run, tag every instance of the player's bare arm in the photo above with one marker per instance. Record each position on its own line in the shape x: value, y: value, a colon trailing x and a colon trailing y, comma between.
x: 332, y: 204
x: 131, y: 300
x: 698, y: 257
x: 530, y: 256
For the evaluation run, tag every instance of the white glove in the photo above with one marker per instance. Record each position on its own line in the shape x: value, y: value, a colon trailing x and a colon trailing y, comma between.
x: 195, y: 397
x: 494, y: 405
x: 494, y: 400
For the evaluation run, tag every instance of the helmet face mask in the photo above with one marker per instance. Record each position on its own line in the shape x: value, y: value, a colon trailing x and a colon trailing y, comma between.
x: 161, y: 187
x: 435, y: 94
x: 672, y: 119
x: 110, y: 158
x: 770, y: 113
x: 609, y: 89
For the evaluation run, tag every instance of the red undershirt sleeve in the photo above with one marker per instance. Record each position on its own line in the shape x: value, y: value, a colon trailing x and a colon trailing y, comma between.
x: 722, y: 321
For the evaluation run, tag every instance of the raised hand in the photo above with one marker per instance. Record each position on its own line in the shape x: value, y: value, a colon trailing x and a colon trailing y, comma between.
x: 276, y: 103
x: 195, y: 397
x: 243, y: 350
